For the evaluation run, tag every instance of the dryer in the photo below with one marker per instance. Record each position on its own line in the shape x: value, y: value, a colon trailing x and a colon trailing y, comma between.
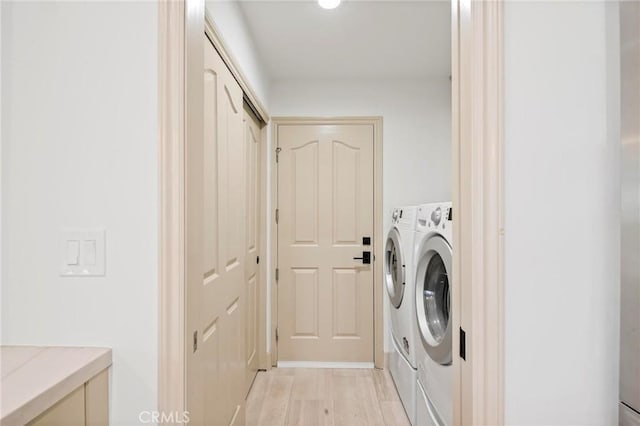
x: 398, y: 279
x: 433, y: 260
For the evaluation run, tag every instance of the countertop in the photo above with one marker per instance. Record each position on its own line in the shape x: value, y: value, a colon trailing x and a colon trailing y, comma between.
x: 34, y: 378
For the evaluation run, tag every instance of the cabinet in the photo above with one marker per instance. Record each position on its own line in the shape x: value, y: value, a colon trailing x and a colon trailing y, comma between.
x: 88, y: 405
x: 54, y: 386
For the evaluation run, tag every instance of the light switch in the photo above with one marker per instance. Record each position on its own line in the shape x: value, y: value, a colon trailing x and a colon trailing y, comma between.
x: 73, y: 252
x: 89, y: 252
x: 83, y: 252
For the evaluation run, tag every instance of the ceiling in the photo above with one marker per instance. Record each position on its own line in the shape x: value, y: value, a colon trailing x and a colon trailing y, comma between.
x: 359, y: 39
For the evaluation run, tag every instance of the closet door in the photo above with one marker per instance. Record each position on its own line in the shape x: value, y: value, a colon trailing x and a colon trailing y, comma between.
x: 252, y: 242
x: 221, y: 295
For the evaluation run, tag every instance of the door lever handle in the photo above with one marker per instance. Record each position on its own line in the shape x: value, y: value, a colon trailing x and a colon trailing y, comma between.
x: 366, y: 258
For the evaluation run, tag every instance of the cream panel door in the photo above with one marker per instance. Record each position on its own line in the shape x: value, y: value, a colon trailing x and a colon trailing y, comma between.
x: 252, y: 242
x: 325, y: 201
x: 221, y: 294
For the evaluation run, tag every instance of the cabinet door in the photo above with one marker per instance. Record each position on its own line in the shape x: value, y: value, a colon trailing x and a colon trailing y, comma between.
x: 67, y: 412
x: 96, y: 395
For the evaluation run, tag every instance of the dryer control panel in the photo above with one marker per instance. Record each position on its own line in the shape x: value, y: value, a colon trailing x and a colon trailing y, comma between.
x: 434, y: 216
x: 396, y: 215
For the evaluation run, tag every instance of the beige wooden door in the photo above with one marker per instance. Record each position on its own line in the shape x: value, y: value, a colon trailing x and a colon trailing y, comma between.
x: 252, y: 242
x: 325, y: 202
x: 217, y: 298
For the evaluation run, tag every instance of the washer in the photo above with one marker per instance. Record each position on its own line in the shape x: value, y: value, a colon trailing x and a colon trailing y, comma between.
x: 433, y: 258
x: 399, y: 282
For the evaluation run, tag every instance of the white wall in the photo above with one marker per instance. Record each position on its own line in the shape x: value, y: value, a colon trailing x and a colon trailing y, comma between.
x: 230, y: 21
x: 562, y: 213
x: 79, y: 104
x: 416, y: 130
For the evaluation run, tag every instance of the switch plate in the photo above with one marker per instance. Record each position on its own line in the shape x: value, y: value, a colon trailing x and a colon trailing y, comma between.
x: 83, y: 252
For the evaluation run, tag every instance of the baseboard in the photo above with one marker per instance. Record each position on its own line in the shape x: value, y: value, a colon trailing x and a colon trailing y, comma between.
x: 320, y: 364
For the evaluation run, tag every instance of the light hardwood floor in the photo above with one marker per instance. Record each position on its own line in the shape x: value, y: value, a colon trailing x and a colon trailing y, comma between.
x: 324, y: 397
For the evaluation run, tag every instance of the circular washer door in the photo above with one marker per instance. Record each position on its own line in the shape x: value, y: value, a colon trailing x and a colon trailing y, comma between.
x: 394, y: 268
x: 433, y: 298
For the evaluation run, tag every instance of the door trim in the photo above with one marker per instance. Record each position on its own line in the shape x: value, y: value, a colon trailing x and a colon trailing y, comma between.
x: 331, y: 365
x: 172, y: 23
x: 478, y: 240
x: 378, y: 235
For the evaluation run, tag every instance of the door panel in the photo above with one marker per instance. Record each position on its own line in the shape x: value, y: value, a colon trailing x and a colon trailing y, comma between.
x: 220, y: 297
x: 325, y: 201
x: 210, y: 234
x: 304, y: 181
x: 345, y: 192
x: 345, y: 304
x: 305, y: 290
x: 252, y: 243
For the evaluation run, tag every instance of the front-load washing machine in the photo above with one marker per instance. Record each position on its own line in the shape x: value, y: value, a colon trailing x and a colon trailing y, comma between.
x: 433, y: 258
x: 398, y: 279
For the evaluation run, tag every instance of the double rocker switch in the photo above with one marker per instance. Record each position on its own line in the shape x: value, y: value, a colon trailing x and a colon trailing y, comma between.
x: 83, y: 252
x: 85, y: 247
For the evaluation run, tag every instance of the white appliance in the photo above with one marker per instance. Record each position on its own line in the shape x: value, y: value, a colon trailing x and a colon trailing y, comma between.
x: 433, y: 257
x: 398, y: 279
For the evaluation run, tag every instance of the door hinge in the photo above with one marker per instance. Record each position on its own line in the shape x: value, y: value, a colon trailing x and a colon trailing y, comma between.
x: 463, y: 344
x: 195, y: 341
x: 277, y: 274
x: 278, y: 154
x: 257, y: 260
x: 276, y: 334
x: 277, y: 216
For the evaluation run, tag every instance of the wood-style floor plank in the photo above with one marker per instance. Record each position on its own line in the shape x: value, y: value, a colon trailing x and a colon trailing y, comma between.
x: 276, y: 400
x: 310, y: 413
x: 385, y: 388
x: 256, y: 398
x: 394, y: 414
x: 324, y: 397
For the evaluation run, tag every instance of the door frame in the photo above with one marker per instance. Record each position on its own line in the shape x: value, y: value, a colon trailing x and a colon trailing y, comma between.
x: 378, y: 236
x: 477, y: 117
x: 478, y: 233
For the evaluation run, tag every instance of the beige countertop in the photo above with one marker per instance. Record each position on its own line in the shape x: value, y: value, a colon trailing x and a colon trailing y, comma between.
x: 34, y: 378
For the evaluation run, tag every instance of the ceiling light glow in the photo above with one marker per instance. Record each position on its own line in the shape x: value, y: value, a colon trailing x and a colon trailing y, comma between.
x: 329, y: 4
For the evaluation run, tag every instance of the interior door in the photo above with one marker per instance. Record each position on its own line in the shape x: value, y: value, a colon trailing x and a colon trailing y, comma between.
x: 252, y: 242
x: 325, y: 209
x: 216, y: 299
